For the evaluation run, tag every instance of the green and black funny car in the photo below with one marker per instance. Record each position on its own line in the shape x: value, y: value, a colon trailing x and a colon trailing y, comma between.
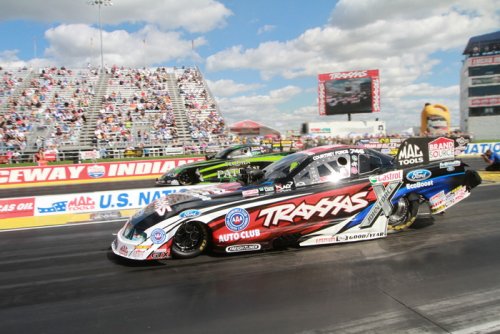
x: 224, y: 166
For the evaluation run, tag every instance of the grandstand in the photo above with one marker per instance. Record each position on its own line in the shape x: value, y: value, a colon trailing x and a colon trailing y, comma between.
x: 71, y: 110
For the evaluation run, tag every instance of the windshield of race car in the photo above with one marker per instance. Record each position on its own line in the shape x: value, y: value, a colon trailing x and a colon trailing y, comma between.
x: 146, y: 217
x: 283, y: 167
x: 238, y: 152
x: 222, y: 154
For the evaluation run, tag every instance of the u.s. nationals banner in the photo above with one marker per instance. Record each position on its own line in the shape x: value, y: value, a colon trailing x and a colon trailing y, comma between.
x: 88, y: 171
x: 349, y: 92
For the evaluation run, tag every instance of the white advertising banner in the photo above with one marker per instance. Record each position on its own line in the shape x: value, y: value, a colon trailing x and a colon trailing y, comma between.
x: 103, y: 200
x: 480, y: 148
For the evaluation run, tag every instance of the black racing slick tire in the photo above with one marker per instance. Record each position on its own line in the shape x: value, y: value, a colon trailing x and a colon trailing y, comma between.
x: 185, y: 178
x: 190, y: 240
x: 404, y: 214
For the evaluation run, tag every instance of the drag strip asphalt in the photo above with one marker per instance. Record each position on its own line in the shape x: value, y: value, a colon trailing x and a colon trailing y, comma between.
x: 442, y: 277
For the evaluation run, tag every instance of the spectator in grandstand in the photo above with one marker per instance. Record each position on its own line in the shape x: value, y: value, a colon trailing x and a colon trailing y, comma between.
x: 8, y: 156
x: 39, y: 142
x: 59, y: 131
x: 40, y: 157
x: 103, y: 152
x: 15, y: 157
x: 492, y: 159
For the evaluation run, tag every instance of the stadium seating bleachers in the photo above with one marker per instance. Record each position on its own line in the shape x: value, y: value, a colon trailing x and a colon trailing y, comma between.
x: 79, y: 109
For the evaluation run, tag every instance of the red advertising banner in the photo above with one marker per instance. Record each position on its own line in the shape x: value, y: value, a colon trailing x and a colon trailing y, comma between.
x: 17, y: 207
x: 484, y: 101
x: 90, y: 171
x: 486, y: 60
x: 349, y: 92
x: 50, y: 156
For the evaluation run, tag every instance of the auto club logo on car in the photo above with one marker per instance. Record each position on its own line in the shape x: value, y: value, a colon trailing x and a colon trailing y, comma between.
x: 237, y: 219
x: 158, y: 236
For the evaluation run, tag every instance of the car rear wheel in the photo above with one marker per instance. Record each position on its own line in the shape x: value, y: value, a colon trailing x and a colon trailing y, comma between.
x: 404, y: 214
x: 190, y: 240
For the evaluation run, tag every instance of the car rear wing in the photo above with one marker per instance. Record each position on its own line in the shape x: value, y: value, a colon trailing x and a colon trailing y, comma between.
x: 424, y: 150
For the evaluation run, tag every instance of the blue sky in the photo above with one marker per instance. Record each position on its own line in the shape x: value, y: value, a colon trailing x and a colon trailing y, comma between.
x: 261, y: 58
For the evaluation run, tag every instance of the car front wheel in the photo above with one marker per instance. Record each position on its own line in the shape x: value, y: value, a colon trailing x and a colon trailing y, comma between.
x: 190, y: 240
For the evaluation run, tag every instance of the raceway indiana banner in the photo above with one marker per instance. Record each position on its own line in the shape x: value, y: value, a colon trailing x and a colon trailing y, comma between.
x: 104, y: 170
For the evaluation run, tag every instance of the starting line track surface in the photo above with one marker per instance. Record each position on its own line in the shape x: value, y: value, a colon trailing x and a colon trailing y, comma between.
x: 55, y: 220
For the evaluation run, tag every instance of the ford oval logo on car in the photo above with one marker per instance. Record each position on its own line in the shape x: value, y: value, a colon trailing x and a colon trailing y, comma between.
x: 190, y: 214
x: 418, y: 175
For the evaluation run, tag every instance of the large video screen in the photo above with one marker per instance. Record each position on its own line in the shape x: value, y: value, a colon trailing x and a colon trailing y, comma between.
x: 349, y: 92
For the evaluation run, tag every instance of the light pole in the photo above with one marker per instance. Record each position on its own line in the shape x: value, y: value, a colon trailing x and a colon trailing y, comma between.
x: 100, y: 3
